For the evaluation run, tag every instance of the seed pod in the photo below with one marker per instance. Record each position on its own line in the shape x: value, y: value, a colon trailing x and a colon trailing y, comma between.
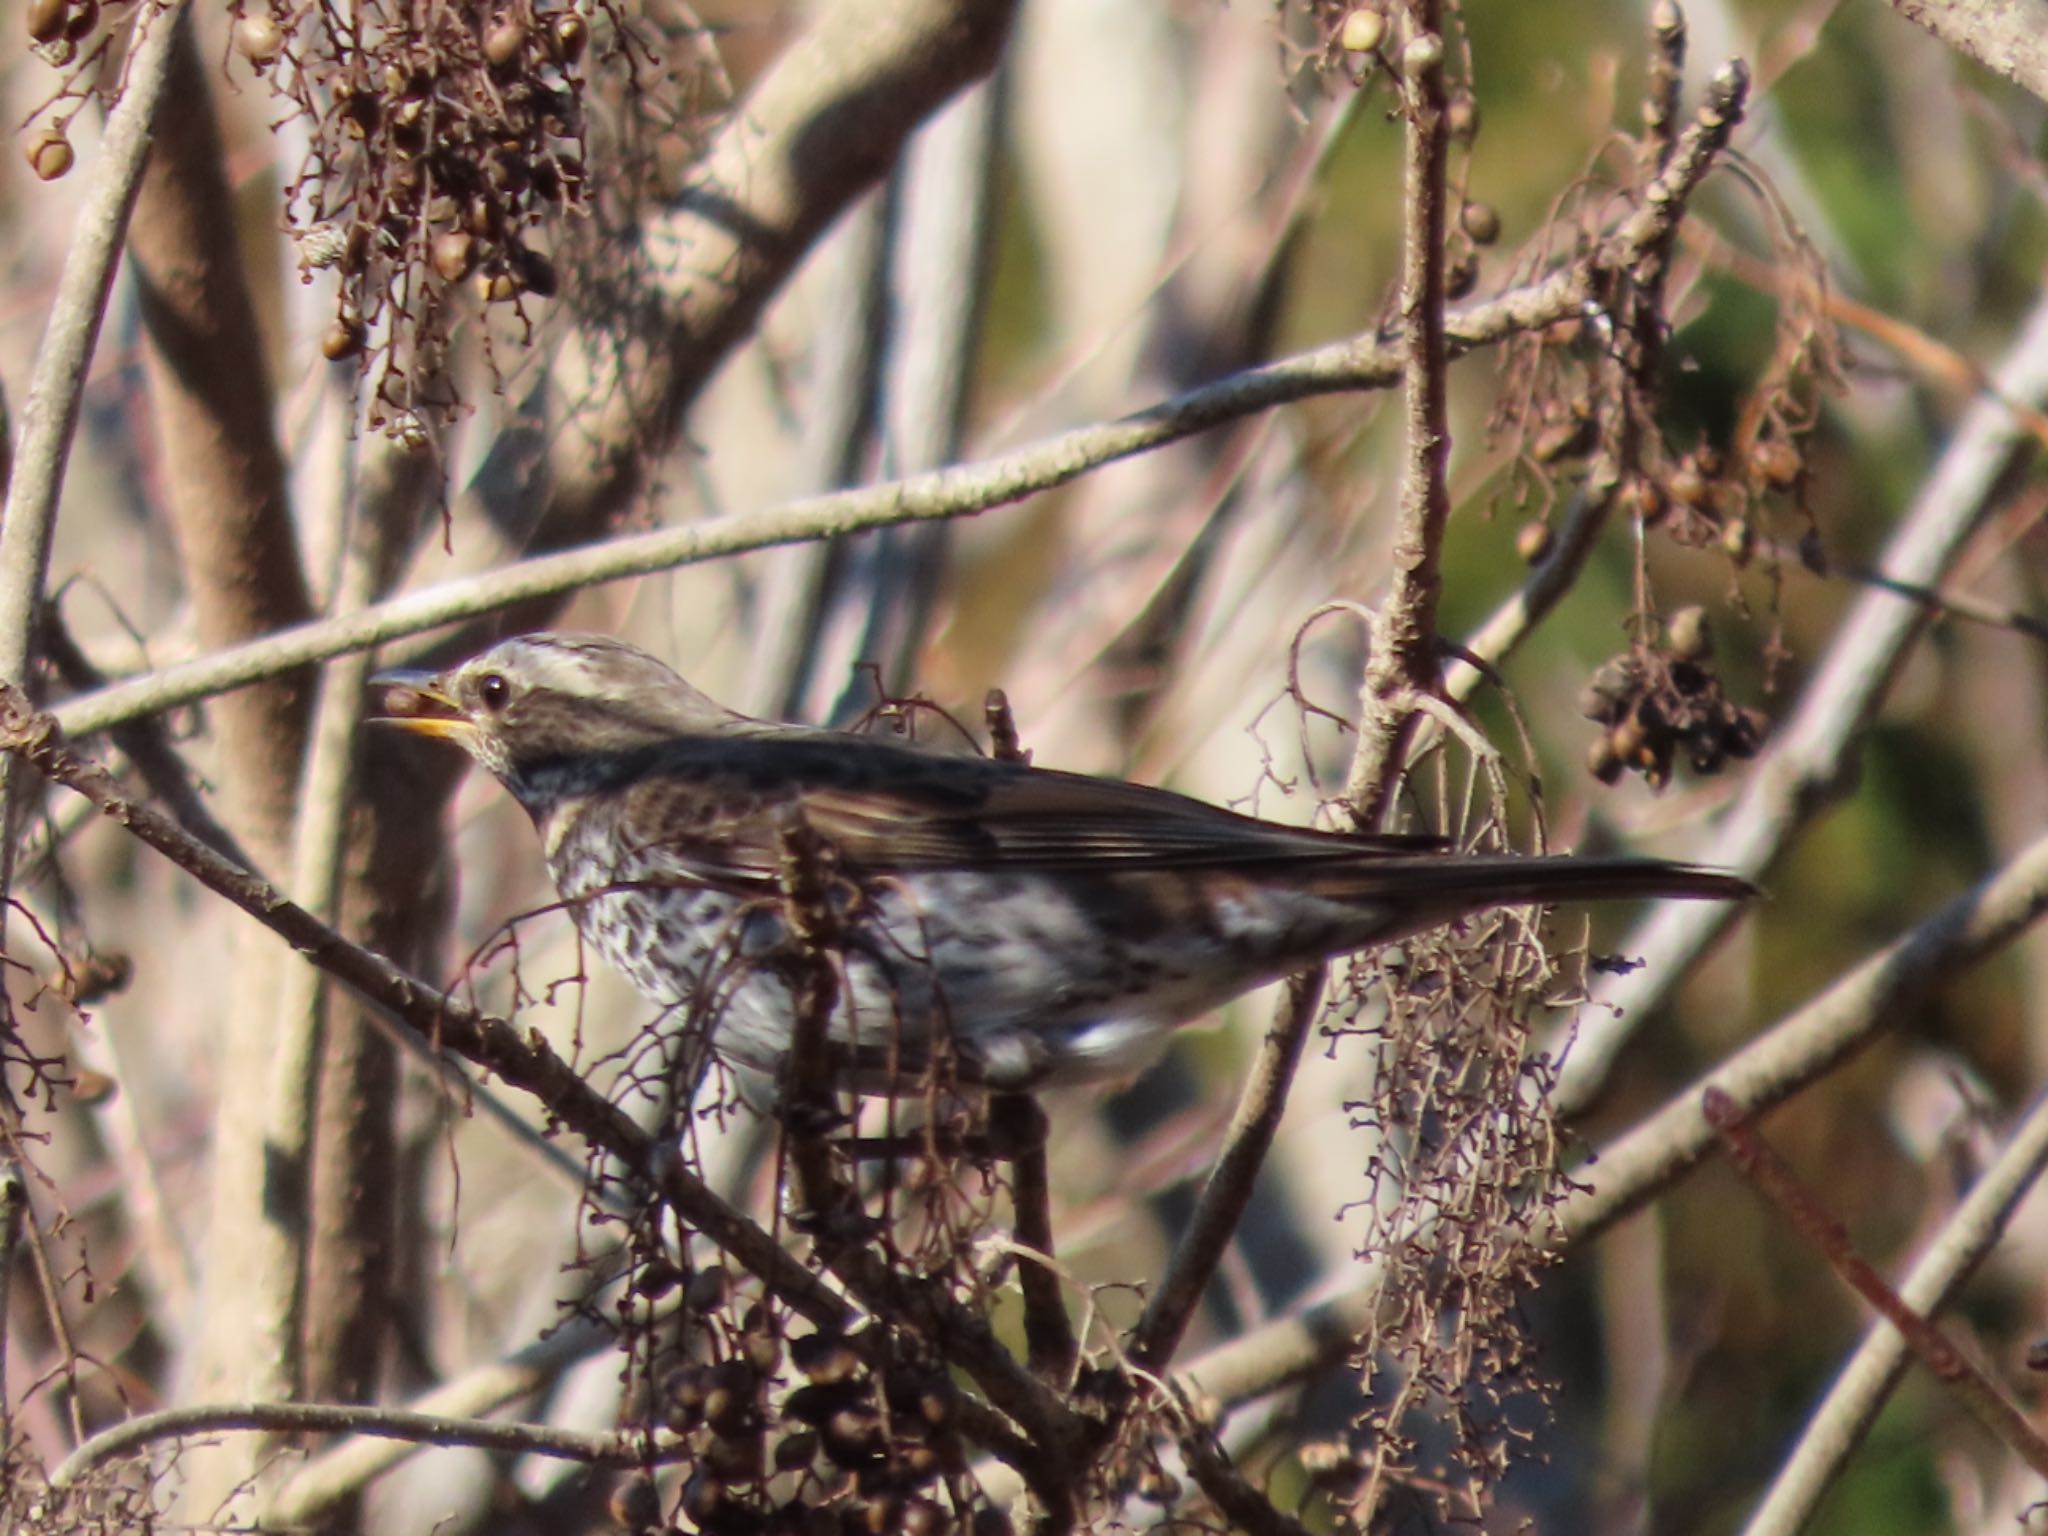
x: 1481, y: 222
x: 82, y: 17
x: 1363, y: 30
x: 495, y: 287
x: 1603, y: 762
x: 50, y: 155
x: 1688, y: 635
x: 505, y: 41
x: 1738, y: 539
x: 454, y: 255
x: 1533, y: 541
x: 259, y: 39
x: 46, y: 20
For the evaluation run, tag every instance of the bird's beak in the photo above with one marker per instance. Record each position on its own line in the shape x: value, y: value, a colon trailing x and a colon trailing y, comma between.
x: 415, y: 701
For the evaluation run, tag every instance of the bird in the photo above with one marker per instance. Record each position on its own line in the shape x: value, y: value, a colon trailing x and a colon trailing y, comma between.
x: 1014, y: 926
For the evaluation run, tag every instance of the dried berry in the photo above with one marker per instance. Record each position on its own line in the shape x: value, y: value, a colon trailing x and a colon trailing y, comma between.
x: 1640, y: 499
x: 1688, y: 635
x: 1363, y: 30
x: 505, y: 41
x: 259, y: 39
x: 1461, y: 118
x: 572, y: 36
x: 1686, y: 485
x: 1603, y: 762
x: 454, y: 255
x: 1481, y: 222
x: 1461, y: 276
x: 1776, y: 463
x: 1533, y: 541
x: 50, y: 155
x: 635, y: 1504
x: 46, y: 19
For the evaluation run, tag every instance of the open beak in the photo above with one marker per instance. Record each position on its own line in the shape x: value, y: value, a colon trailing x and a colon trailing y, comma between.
x: 414, y: 701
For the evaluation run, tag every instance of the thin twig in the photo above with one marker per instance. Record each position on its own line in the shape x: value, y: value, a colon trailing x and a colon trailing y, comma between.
x: 13, y: 1215
x: 614, y: 1448
x: 1935, y: 1349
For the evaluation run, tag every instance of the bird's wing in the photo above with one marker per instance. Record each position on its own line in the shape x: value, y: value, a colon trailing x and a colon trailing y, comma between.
x: 921, y: 812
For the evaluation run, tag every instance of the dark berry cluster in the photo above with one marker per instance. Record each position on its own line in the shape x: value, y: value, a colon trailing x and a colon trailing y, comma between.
x: 1658, y: 702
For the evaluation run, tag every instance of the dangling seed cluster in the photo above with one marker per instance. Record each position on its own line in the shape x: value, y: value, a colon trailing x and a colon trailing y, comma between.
x: 1664, y: 703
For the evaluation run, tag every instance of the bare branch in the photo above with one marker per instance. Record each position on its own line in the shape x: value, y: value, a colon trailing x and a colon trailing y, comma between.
x: 619, y: 1448
x: 2008, y: 37
x: 1936, y: 1351
x: 1851, y: 1406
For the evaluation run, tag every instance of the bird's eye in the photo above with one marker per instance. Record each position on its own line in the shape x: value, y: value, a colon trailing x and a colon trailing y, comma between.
x: 493, y: 691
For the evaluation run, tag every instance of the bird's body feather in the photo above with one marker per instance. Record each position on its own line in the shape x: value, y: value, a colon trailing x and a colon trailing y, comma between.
x: 1028, y: 925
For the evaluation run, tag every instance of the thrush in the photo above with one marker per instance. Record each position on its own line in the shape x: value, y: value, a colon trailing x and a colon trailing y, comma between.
x: 1022, y: 925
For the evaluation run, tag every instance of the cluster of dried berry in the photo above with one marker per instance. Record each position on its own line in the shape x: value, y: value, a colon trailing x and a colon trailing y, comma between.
x: 1701, y: 501
x: 1658, y: 701
x: 445, y: 140
x: 852, y: 1450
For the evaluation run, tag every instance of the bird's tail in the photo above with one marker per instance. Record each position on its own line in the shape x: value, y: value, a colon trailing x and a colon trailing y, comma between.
x: 1465, y: 882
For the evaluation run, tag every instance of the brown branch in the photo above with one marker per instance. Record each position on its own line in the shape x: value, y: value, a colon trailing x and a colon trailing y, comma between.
x: 1242, y: 1505
x: 1774, y: 1177
x: 1018, y: 1126
x: 1223, y: 1199
x: 1403, y: 663
x: 825, y: 1200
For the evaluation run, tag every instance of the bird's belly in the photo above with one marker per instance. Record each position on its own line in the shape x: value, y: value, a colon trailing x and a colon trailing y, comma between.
x: 1029, y: 980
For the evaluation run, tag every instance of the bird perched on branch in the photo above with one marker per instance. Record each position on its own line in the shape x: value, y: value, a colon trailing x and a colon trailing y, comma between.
x: 1023, y: 926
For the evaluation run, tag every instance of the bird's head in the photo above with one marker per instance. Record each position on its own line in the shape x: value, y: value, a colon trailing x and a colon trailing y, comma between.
x: 547, y: 699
